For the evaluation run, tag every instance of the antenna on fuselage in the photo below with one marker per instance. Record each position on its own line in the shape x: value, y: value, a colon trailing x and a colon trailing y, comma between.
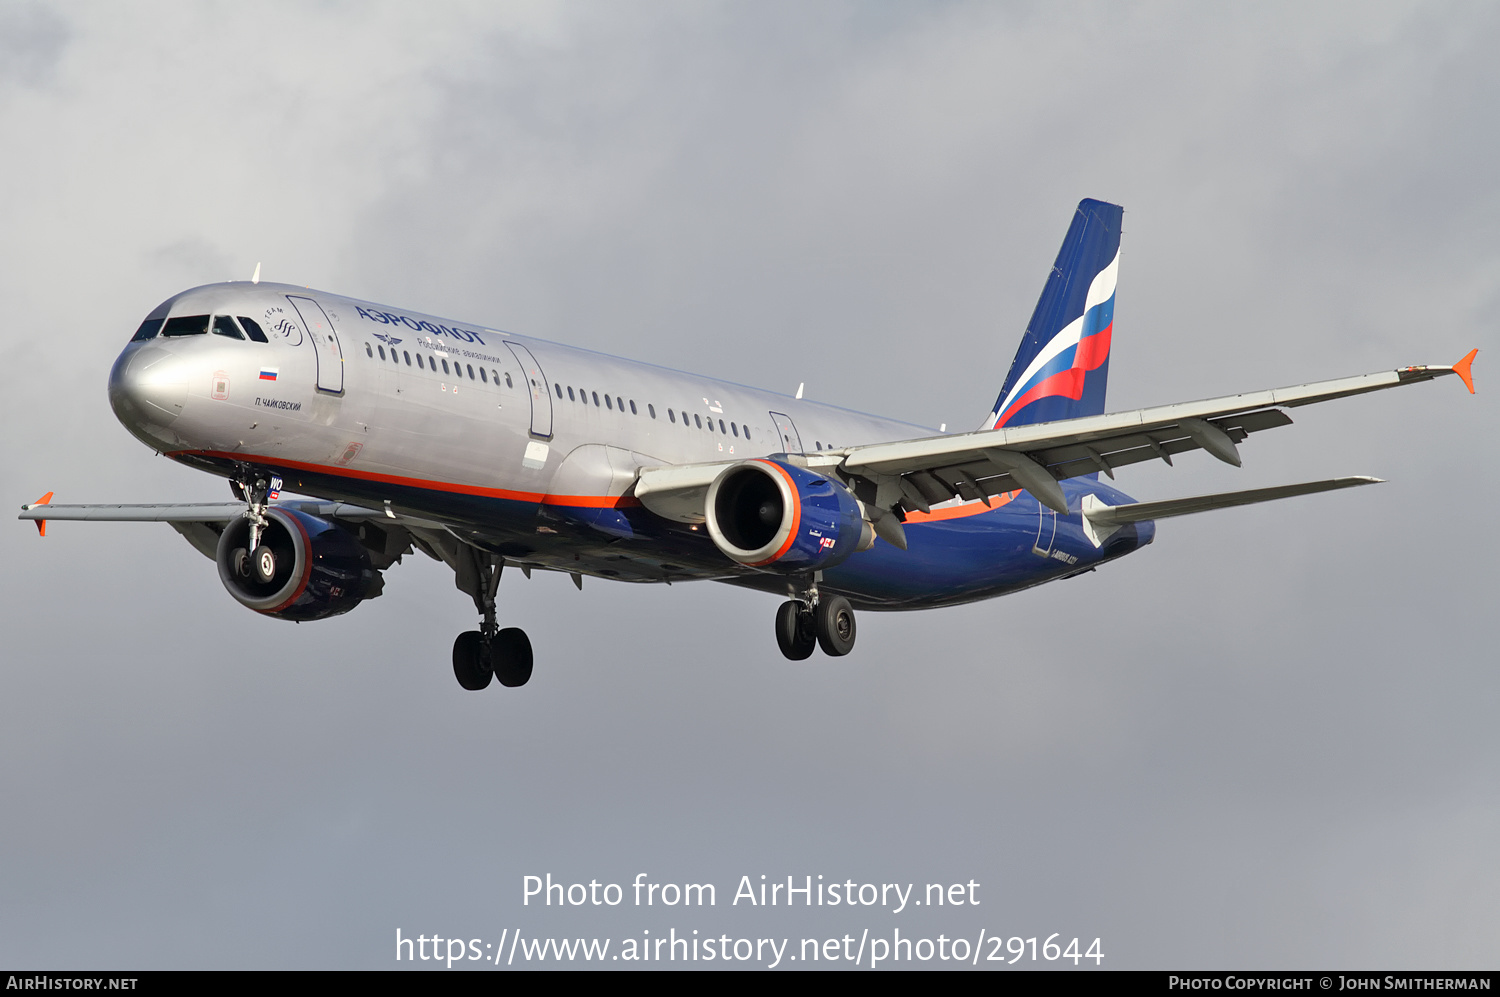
x: 800, y: 386
x: 256, y: 278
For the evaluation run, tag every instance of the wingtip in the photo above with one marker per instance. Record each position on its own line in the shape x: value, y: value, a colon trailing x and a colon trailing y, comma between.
x: 41, y: 524
x: 1462, y: 369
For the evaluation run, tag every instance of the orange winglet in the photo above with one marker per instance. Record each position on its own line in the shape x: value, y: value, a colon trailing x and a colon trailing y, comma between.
x: 41, y: 524
x: 1462, y: 370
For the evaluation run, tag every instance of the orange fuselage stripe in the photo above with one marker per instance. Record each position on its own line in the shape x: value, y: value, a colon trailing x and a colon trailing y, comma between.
x: 577, y: 501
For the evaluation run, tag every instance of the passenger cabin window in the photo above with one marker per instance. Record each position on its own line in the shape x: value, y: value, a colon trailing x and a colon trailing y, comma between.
x: 558, y: 388
x: 382, y: 351
x: 651, y: 409
x: 483, y: 376
x: 369, y: 352
x: 407, y: 356
x: 632, y: 407
x: 186, y: 325
x: 148, y: 330
x: 697, y: 420
x: 252, y: 329
x: 224, y: 326
x: 672, y: 416
x: 608, y: 403
x: 471, y: 370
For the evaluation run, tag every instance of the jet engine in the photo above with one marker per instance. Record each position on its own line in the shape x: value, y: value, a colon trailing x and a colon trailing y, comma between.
x: 304, y: 568
x: 775, y: 515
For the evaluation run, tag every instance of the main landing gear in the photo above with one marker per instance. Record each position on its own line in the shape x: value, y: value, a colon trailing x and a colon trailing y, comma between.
x: 810, y: 620
x: 489, y: 651
x: 506, y: 656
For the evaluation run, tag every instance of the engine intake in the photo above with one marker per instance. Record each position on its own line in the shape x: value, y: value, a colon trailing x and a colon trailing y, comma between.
x: 770, y: 514
x: 321, y: 569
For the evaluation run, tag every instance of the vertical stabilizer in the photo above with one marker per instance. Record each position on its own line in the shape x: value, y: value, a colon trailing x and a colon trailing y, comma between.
x: 1062, y: 366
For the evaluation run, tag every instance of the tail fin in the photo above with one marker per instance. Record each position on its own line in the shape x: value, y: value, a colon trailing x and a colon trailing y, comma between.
x: 1063, y: 363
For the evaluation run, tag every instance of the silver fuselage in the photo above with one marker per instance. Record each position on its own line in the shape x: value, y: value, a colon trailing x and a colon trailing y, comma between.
x: 519, y: 445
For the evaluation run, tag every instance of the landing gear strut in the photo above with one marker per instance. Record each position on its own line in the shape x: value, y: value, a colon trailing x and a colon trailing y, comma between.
x: 489, y: 651
x: 812, y: 620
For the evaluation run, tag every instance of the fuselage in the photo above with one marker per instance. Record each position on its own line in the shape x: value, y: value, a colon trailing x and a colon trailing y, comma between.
x: 529, y: 449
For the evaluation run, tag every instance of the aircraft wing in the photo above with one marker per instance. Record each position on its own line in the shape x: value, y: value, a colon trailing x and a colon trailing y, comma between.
x: 189, y: 512
x: 200, y: 523
x: 917, y: 474
x: 976, y: 465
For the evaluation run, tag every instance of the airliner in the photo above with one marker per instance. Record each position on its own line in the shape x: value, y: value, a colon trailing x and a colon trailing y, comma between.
x: 353, y: 433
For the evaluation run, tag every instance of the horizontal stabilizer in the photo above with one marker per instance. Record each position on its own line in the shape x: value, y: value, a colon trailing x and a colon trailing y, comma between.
x: 1100, y: 520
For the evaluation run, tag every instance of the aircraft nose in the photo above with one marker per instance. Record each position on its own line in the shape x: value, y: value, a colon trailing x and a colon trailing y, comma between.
x: 148, y: 386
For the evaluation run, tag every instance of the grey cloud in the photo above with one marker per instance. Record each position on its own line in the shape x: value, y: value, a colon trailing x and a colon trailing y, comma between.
x: 1266, y: 740
x: 33, y: 36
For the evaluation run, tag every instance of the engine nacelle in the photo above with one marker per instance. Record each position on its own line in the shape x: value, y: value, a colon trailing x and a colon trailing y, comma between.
x: 321, y: 569
x: 774, y: 515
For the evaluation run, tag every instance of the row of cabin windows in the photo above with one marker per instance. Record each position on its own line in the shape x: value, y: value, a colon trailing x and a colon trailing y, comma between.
x: 613, y: 402
x: 431, y: 363
x: 200, y: 325
x: 226, y: 325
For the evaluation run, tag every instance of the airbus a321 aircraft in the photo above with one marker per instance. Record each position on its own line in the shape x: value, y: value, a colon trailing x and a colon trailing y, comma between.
x: 485, y: 449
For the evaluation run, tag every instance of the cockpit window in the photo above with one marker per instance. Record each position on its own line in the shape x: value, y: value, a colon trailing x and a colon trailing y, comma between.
x: 224, y: 326
x: 186, y: 325
x: 252, y: 329
x: 148, y: 330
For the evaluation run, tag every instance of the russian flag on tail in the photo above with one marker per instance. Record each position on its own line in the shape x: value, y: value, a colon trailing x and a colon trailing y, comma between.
x: 1062, y: 367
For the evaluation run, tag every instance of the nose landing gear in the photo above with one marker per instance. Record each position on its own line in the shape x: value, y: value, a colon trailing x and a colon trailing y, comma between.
x: 256, y: 560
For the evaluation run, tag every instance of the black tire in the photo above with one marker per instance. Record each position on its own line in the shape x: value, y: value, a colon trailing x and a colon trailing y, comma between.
x: 510, y: 650
x: 471, y: 665
x: 795, y: 633
x: 239, y: 563
x: 263, y: 564
x: 835, y: 626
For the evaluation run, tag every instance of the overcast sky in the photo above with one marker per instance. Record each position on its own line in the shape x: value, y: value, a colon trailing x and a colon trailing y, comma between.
x: 1268, y: 740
